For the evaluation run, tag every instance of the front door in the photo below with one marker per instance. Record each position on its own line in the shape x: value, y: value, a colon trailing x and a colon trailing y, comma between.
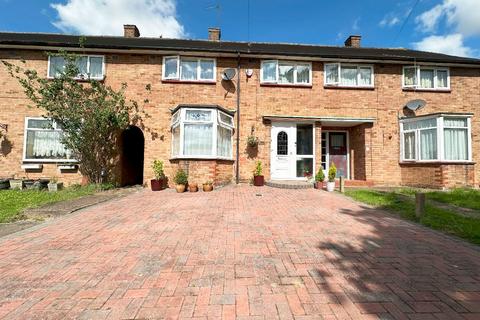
x: 337, y: 146
x: 283, y: 151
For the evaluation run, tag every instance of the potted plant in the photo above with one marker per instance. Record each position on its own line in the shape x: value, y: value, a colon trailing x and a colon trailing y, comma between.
x: 332, y: 173
x: 207, y: 186
x: 252, y: 141
x: 319, y: 178
x: 181, y: 180
x: 193, y: 187
x: 159, y: 183
x: 54, y: 185
x: 16, y: 184
x: 258, y: 179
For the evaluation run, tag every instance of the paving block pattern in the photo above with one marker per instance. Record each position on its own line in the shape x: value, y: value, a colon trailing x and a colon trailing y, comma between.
x: 236, y: 253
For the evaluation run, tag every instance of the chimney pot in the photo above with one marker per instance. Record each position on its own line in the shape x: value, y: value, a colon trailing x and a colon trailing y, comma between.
x: 353, y: 41
x: 130, y: 31
x: 214, y: 34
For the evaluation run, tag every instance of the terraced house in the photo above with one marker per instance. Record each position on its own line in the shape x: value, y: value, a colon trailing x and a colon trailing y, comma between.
x: 383, y: 116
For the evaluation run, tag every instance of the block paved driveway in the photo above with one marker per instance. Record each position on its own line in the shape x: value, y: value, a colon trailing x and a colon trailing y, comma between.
x: 281, y: 254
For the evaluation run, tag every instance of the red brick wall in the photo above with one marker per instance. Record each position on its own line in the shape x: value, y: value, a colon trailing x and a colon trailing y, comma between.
x: 376, y: 154
x: 438, y: 175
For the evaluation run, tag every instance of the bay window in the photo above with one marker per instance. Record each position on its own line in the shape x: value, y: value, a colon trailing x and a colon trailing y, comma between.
x: 89, y: 67
x: 201, y: 133
x: 189, y: 69
x: 428, y: 78
x: 348, y: 75
x: 286, y: 72
x: 436, y: 138
x: 43, y: 141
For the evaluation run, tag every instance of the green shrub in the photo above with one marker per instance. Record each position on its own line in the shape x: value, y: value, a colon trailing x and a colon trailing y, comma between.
x: 332, y: 172
x: 181, y: 177
x: 320, y: 176
x: 158, y: 169
x: 258, y: 169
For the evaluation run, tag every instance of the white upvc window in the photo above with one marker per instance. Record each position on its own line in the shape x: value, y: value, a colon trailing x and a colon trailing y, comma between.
x: 189, y: 69
x: 202, y: 133
x: 43, y: 142
x: 445, y: 138
x: 89, y: 67
x: 426, y: 78
x: 348, y: 75
x: 286, y: 72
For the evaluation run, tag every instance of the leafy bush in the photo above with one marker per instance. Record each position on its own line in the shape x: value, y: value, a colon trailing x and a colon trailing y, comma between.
x: 181, y: 177
x: 158, y: 169
x: 332, y: 173
x: 252, y: 141
x: 258, y: 169
x: 320, y: 176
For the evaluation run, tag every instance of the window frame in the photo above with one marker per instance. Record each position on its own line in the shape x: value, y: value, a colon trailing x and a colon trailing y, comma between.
x: 418, y: 69
x: 49, y: 76
x: 25, y: 130
x: 215, y: 121
x: 178, y: 77
x: 277, y: 73
x: 339, y: 72
x: 440, y: 138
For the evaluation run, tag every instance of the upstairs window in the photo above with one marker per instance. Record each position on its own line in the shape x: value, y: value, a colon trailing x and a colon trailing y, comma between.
x: 427, y: 78
x: 89, y: 67
x: 437, y: 138
x: 202, y: 133
x: 286, y: 72
x: 43, y: 141
x: 348, y: 75
x: 189, y: 69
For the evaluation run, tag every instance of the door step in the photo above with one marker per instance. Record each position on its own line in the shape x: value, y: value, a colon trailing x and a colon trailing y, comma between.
x: 289, y: 184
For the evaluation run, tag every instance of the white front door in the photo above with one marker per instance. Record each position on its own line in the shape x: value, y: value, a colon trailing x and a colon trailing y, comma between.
x: 283, y: 151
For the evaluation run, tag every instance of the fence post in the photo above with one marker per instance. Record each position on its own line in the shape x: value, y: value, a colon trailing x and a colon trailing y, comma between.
x: 342, y: 184
x: 419, y: 204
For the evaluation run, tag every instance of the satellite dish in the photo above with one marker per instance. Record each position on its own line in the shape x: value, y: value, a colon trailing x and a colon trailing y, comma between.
x: 228, y: 74
x: 416, y: 104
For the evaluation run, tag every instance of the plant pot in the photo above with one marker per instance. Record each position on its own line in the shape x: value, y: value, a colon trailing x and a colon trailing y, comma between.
x: 180, y: 188
x: 318, y: 185
x: 207, y: 187
x: 4, y: 184
x: 55, y: 186
x: 192, y: 187
x: 258, y: 181
x: 16, y: 184
x: 330, y: 186
x: 28, y: 183
x: 156, y: 185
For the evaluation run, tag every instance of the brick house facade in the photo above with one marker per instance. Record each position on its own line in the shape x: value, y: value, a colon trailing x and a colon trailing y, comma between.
x: 302, y: 124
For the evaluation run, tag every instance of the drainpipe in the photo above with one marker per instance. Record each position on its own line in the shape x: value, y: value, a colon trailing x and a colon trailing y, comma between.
x: 237, y: 167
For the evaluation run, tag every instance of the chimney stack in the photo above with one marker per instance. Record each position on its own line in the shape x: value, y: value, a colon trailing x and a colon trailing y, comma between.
x: 214, y: 34
x: 353, y: 41
x: 130, y: 31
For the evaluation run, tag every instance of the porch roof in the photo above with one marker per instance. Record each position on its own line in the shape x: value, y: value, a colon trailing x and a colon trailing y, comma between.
x: 327, y: 121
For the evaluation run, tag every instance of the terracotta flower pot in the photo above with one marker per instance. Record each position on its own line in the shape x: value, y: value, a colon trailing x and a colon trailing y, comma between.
x: 192, y: 187
x: 319, y: 185
x: 180, y: 188
x: 157, y: 185
x: 258, y: 181
x: 207, y: 187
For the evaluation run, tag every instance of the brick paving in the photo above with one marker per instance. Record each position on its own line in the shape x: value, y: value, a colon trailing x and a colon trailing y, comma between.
x: 238, y: 252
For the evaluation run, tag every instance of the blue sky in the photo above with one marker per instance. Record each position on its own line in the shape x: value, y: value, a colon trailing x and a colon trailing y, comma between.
x: 449, y: 26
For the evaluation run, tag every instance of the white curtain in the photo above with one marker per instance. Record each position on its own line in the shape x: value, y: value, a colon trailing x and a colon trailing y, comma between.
x: 224, y: 142
x: 456, y: 144
x: 46, y: 145
x: 410, y: 76
x: 82, y: 65
x: 365, y: 77
x: 206, y: 69
x: 197, y: 140
x: 269, y: 71
x: 442, y: 79
x: 189, y: 69
x: 426, y: 78
x: 171, y: 68
x: 96, y: 67
x: 331, y: 73
x: 428, y: 144
x: 409, y: 145
x: 285, y: 73
x: 349, y: 76
x: 176, y: 141
x: 303, y: 73
x: 57, y: 65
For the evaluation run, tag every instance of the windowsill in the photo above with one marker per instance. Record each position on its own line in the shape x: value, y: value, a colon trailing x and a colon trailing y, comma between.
x: 201, y: 158
x: 55, y: 161
x: 453, y: 162
x: 189, y: 81
x: 446, y: 90
x: 285, y: 85
x: 333, y: 86
x: 82, y: 79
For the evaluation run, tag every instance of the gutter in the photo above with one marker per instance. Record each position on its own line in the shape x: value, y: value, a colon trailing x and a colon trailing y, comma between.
x: 237, y: 167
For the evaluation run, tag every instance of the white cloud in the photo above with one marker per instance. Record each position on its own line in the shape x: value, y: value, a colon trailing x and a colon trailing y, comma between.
x: 449, y: 44
x: 389, y: 21
x: 429, y: 20
x: 153, y: 18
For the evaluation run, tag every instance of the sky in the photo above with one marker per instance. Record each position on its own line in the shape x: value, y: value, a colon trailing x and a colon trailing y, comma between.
x: 446, y: 26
